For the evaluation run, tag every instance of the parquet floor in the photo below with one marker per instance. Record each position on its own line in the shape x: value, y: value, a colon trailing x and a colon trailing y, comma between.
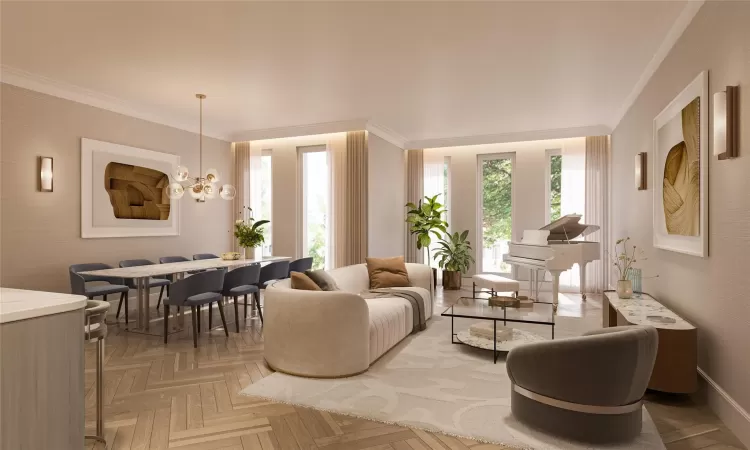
x: 175, y: 396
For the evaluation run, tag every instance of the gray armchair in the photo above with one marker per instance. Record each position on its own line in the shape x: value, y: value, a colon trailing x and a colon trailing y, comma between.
x: 588, y: 388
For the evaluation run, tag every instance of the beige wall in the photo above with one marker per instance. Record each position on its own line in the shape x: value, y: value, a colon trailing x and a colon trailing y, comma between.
x: 386, y: 198
x: 41, y: 231
x: 710, y: 292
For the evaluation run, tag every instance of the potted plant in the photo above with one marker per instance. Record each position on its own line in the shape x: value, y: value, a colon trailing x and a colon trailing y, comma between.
x: 424, y: 219
x: 249, y: 233
x: 454, y: 257
x: 623, y: 262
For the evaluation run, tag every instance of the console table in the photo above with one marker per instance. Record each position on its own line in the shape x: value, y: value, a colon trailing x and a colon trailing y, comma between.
x: 676, y: 366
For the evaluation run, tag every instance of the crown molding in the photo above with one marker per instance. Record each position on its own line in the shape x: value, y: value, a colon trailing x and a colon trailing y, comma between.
x: 299, y: 130
x: 538, y: 135
x: 387, y: 134
x: 38, y: 83
x: 673, y: 35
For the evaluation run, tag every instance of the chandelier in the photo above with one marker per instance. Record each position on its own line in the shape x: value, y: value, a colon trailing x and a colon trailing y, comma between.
x: 203, y: 186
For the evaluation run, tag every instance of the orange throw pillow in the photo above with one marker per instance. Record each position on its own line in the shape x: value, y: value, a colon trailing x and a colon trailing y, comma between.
x: 303, y: 282
x: 387, y: 272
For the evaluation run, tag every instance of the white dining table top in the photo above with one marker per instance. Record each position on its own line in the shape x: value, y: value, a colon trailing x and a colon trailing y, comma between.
x: 21, y: 304
x: 155, y: 270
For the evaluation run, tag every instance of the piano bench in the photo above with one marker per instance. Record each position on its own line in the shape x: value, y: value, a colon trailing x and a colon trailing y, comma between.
x: 493, y: 283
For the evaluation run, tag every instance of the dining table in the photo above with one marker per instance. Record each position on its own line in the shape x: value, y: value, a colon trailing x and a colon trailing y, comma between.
x: 143, y: 274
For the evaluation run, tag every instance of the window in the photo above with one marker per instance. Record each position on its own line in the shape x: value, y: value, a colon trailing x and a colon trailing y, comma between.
x: 266, y: 200
x: 446, y: 189
x: 496, y: 210
x: 554, y: 185
x: 315, y: 207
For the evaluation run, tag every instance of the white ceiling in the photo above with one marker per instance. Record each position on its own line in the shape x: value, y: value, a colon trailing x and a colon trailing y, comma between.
x: 421, y: 70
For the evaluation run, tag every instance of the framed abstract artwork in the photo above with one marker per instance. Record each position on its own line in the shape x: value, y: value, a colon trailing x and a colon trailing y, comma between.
x: 681, y: 172
x: 123, y: 191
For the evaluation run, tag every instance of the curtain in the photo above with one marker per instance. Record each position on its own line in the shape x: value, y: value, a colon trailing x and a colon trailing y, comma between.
x: 414, y: 193
x: 247, y: 180
x: 572, y: 195
x: 337, y: 233
x: 355, y: 205
x: 434, y: 177
x: 597, y: 207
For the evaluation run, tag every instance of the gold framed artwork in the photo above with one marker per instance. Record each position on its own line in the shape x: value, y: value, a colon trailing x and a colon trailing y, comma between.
x: 681, y: 172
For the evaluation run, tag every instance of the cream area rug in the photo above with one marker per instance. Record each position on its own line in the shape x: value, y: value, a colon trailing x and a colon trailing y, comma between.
x: 426, y: 382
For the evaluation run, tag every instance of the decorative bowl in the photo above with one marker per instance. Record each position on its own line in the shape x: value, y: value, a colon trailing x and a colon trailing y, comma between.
x: 230, y: 256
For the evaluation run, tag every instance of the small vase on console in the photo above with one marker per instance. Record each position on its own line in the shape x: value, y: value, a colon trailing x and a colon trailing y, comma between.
x: 250, y: 253
x: 624, y: 288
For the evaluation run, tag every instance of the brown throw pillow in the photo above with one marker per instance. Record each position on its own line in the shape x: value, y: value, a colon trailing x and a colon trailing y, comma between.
x: 387, y: 272
x: 322, y: 279
x: 303, y: 282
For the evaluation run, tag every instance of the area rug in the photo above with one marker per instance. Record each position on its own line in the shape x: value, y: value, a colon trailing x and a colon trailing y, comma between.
x: 428, y: 383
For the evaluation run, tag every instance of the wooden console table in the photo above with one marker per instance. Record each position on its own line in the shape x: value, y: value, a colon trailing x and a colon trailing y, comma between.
x: 676, y: 367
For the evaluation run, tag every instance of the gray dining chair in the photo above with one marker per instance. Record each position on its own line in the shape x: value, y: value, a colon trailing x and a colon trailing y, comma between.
x: 242, y: 281
x: 200, y: 289
x: 198, y: 256
x: 153, y: 282
x: 173, y: 259
x: 300, y: 265
x: 115, y: 285
x: 95, y: 330
x: 277, y: 270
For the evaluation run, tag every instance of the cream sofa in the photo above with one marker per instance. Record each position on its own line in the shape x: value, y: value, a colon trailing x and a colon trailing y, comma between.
x: 337, y: 333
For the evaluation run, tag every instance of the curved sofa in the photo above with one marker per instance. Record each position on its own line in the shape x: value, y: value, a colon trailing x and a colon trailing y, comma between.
x: 327, y: 334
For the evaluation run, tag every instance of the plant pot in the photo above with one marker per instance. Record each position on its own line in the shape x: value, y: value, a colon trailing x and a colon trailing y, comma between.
x: 624, y: 288
x: 451, y: 280
x: 250, y: 253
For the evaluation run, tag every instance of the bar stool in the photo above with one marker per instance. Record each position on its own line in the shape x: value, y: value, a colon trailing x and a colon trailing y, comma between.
x: 95, y: 331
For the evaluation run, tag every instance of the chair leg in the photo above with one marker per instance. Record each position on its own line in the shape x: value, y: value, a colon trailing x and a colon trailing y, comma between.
x: 223, y: 320
x: 195, y: 327
x: 161, y: 293
x: 236, y: 315
x: 166, y: 322
x: 125, y: 297
x: 119, y: 306
x: 198, y: 309
x: 257, y: 304
x: 245, y: 306
x: 210, y: 316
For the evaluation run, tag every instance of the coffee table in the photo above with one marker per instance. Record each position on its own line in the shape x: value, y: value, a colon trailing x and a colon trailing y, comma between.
x: 540, y: 313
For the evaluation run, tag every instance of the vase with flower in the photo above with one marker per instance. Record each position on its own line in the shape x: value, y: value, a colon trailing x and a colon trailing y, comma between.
x: 623, y: 261
x: 249, y: 233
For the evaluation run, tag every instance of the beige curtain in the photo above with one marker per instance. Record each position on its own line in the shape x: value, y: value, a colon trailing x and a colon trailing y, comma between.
x: 414, y: 193
x: 597, y: 207
x: 247, y: 181
x: 354, y: 240
x: 337, y: 233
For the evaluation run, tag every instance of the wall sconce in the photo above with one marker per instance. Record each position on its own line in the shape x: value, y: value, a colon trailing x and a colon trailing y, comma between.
x: 45, y: 174
x: 640, y: 171
x: 726, y: 129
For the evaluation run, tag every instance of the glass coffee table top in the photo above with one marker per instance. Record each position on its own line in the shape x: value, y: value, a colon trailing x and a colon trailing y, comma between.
x: 479, y: 308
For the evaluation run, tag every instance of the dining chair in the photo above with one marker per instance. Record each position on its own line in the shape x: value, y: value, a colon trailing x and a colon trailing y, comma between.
x: 160, y: 282
x: 300, y: 265
x: 242, y: 281
x: 198, y: 256
x: 173, y: 259
x: 277, y: 270
x: 200, y: 289
x: 115, y: 285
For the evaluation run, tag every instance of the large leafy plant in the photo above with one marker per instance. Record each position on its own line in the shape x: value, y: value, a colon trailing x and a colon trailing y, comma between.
x: 424, y: 219
x: 249, y: 232
x: 454, y: 252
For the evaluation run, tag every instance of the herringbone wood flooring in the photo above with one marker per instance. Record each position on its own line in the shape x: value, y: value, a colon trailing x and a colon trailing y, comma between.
x: 175, y: 396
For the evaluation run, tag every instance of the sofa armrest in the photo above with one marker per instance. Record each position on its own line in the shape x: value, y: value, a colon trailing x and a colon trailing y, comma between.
x: 606, y: 369
x: 420, y: 275
x: 315, y: 333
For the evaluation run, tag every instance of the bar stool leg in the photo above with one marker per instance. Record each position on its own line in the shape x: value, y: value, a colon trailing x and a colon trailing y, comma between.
x: 99, y: 393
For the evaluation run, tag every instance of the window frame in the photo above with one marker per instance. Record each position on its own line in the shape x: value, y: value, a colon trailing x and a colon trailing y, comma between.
x: 302, y: 198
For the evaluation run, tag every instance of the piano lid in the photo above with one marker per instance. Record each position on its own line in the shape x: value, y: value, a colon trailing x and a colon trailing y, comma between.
x: 567, y: 228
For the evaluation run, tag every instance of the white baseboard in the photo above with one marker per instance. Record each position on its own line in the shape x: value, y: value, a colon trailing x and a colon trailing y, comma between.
x: 727, y: 409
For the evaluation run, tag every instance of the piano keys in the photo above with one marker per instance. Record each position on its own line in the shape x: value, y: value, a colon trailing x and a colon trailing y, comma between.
x: 553, y: 249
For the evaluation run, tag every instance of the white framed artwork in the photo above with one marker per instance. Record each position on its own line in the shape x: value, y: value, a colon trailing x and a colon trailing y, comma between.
x: 123, y: 191
x: 681, y: 172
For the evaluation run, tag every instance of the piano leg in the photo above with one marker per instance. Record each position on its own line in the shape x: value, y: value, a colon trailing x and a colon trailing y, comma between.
x: 582, y: 269
x: 555, y: 286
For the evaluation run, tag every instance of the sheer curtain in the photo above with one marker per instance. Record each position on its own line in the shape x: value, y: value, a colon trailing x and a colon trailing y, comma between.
x: 336, y: 148
x: 573, y: 194
x: 434, y: 179
x: 414, y: 192
x: 597, y: 207
x: 248, y: 172
x: 355, y: 211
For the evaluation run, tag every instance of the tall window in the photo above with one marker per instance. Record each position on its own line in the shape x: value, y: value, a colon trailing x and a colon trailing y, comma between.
x: 315, y: 207
x: 554, y: 185
x: 446, y: 189
x: 266, y: 202
x: 496, y: 200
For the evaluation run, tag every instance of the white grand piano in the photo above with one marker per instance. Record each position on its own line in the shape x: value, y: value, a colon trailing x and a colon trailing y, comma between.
x: 552, y: 249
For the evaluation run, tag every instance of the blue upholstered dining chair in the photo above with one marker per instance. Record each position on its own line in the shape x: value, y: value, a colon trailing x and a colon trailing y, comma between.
x: 79, y: 284
x: 277, y: 270
x: 198, y: 256
x: 300, y: 265
x: 242, y: 281
x: 153, y: 282
x: 173, y: 259
x: 195, y: 291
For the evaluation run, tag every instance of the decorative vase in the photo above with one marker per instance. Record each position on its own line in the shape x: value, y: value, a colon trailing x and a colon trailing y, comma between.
x: 250, y: 253
x: 451, y: 280
x: 624, y: 288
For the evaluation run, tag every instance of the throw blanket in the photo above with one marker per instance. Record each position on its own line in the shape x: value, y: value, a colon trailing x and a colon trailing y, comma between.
x: 416, y: 300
